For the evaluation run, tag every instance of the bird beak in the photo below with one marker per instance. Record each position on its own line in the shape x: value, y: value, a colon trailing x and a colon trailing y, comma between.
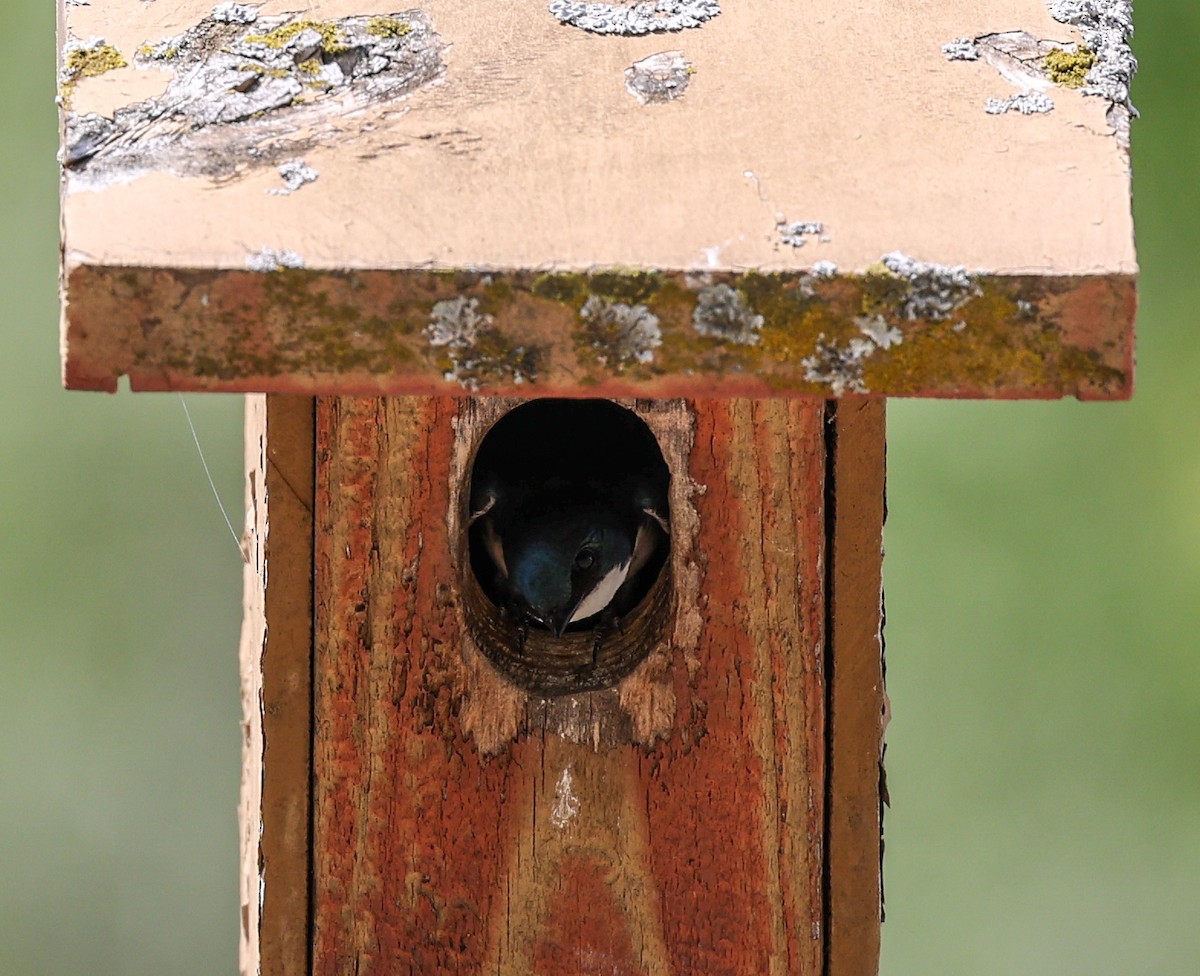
x: 560, y: 621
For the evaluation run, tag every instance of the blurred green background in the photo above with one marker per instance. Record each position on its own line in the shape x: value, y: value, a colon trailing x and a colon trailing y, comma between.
x: 1043, y: 582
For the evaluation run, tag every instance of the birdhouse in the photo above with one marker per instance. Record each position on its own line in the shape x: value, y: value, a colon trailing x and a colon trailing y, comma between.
x: 567, y: 330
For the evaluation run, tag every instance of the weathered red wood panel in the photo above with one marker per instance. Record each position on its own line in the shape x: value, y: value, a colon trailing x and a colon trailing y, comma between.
x: 671, y: 825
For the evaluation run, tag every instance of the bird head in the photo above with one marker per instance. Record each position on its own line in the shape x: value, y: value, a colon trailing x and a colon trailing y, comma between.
x: 568, y: 567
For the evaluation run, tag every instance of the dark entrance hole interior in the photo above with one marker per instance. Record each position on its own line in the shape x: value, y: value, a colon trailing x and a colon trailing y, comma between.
x: 568, y: 543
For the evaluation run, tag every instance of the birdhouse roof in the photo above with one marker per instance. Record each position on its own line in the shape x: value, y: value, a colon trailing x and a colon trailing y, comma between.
x: 688, y: 197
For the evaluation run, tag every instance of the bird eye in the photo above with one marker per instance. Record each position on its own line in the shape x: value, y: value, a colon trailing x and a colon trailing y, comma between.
x: 584, y: 558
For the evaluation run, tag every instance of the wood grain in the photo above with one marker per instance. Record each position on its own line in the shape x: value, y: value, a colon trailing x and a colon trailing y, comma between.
x: 858, y: 702
x: 276, y: 664
x: 699, y: 852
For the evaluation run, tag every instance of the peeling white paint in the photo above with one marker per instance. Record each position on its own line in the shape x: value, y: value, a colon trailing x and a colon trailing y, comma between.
x: 658, y: 79
x: 566, y: 803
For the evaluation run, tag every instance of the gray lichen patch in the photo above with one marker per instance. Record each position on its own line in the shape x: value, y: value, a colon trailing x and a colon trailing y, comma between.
x: 658, y: 79
x: 295, y: 174
x: 632, y: 19
x: 841, y: 367
x: 455, y: 323
x: 793, y: 233
x: 1106, y: 26
x: 932, y: 291
x: 1024, y: 103
x: 877, y: 329
x: 234, y: 13
x: 722, y: 313
x: 249, y: 90
x: 1102, y: 65
x: 619, y: 334
x: 961, y: 49
x: 476, y: 352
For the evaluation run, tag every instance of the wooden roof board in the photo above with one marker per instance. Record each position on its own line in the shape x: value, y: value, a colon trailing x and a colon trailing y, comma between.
x: 588, y: 242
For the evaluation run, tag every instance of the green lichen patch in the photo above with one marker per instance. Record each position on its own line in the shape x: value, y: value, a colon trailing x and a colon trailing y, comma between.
x: 86, y: 59
x: 1069, y: 68
x: 90, y: 62
x: 632, y: 287
x: 388, y: 27
x: 333, y: 41
x: 568, y: 288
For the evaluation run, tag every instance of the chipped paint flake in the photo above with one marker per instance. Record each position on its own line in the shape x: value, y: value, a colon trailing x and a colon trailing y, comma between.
x: 632, y: 19
x: 566, y: 803
x: 823, y: 269
x: 621, y: 333
x: 722, y: 313
x: 658, y: 79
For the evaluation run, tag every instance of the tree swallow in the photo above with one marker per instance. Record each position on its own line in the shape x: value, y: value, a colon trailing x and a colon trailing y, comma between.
x: 568, y: 522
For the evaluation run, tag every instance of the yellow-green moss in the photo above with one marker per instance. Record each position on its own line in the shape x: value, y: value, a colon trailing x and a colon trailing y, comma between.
x: 1069, y: 68
x: 497, y: 296
x: 87, y: 63
x: 632, y: 287
x: 332, y: 40
x: 310, y: 324
x: 150, y: 51
x: 90, y: 62
x: 568, y: 288
x: 264, y: 71
x: 388, y: 27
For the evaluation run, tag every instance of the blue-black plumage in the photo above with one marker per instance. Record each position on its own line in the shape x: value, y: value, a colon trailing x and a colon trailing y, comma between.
x: 569, y: 519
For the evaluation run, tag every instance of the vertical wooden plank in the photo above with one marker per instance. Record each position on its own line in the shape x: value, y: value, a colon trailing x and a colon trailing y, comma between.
x: 276, y: 662
x: 857, y: 697
x: 671, y: 825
